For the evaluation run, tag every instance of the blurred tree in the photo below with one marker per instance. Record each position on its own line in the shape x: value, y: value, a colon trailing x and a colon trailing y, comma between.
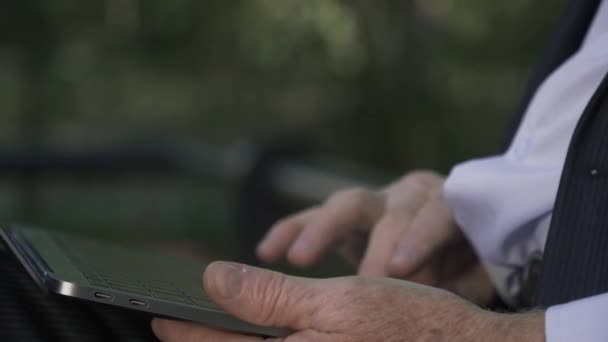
x: 391, y: 84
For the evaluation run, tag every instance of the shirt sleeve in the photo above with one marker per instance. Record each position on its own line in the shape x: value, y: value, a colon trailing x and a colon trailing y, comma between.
x: 507, y: 290
x: 582, y: 320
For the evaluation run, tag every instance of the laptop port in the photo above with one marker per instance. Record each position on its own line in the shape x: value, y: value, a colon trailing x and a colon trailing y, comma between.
x: 137, y: 302
x: 103, y: 296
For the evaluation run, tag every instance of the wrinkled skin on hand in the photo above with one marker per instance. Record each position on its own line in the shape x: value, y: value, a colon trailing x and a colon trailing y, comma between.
x: 405, y: 230
x: 352, y: 309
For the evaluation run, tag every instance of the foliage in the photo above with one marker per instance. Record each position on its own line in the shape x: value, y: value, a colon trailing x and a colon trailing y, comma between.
x: 391, y: 84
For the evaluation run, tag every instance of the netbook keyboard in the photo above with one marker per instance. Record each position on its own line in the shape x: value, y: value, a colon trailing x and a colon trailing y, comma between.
x: 148, y: 288
x: 27, y: 314
x: 86, y: 261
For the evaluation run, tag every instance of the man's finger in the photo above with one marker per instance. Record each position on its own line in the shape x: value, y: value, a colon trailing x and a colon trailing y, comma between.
x: 342, y: 214
x: 179, y: 331
x: 405, y: 198
x: 282, y: 235
x: 263, y: 297
x: 431, y: 230
x: 382, y: 243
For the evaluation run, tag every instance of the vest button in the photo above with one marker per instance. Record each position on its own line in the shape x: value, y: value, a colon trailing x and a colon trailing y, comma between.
x: 594, y: 172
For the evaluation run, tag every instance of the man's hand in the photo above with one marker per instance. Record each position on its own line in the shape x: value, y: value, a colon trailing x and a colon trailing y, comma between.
x: 405, y: 231
x: 346, y: 309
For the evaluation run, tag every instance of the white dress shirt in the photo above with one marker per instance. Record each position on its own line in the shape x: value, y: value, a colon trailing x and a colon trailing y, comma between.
x: 504, y: 203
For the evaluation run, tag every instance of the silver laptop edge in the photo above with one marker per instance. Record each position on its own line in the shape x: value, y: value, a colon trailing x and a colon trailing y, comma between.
x: 49, y: 281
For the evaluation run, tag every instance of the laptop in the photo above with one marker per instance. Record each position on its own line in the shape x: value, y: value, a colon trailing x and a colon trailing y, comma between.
x: 122, y: 276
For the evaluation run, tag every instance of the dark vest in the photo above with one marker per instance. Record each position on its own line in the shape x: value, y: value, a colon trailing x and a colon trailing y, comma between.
x: 576, y: 253
x: 565, y: 41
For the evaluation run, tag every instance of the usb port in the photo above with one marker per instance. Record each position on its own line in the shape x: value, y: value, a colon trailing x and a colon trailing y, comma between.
x: 102, y: 296
x: 137, y: 302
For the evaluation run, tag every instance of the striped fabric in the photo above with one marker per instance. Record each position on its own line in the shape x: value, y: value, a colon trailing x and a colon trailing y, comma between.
x: 575, y: 263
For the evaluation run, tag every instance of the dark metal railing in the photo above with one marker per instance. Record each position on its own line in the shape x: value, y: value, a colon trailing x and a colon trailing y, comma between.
x: 272, y: 180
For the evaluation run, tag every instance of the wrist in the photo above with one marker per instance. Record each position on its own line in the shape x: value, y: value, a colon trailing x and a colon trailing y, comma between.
x: 528, y: 327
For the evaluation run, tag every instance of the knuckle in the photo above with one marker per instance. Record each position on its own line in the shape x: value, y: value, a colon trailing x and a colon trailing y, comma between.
x: 286, y: 224
x: 414, y: 180
x: 424, y: 174
x: 350, y: 199
x: 421, y: 178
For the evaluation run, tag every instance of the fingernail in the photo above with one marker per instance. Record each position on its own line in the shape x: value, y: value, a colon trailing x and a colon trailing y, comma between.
x: 303, y: 245
x: 229, y: 279
x: 156, y: 328
x: 402, y: 255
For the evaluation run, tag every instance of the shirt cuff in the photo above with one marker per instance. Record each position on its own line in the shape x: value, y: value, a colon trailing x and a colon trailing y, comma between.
x: 501, y: 277
x: 582, y: 320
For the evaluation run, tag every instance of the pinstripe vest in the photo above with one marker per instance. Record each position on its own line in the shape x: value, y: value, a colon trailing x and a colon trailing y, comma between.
x: 575, y: 262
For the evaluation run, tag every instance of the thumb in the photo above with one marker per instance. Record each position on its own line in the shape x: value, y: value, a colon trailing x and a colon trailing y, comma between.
x: 262, y: 297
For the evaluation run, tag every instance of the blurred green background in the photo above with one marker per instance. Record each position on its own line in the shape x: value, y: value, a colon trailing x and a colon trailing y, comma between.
x: 386, y: 84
